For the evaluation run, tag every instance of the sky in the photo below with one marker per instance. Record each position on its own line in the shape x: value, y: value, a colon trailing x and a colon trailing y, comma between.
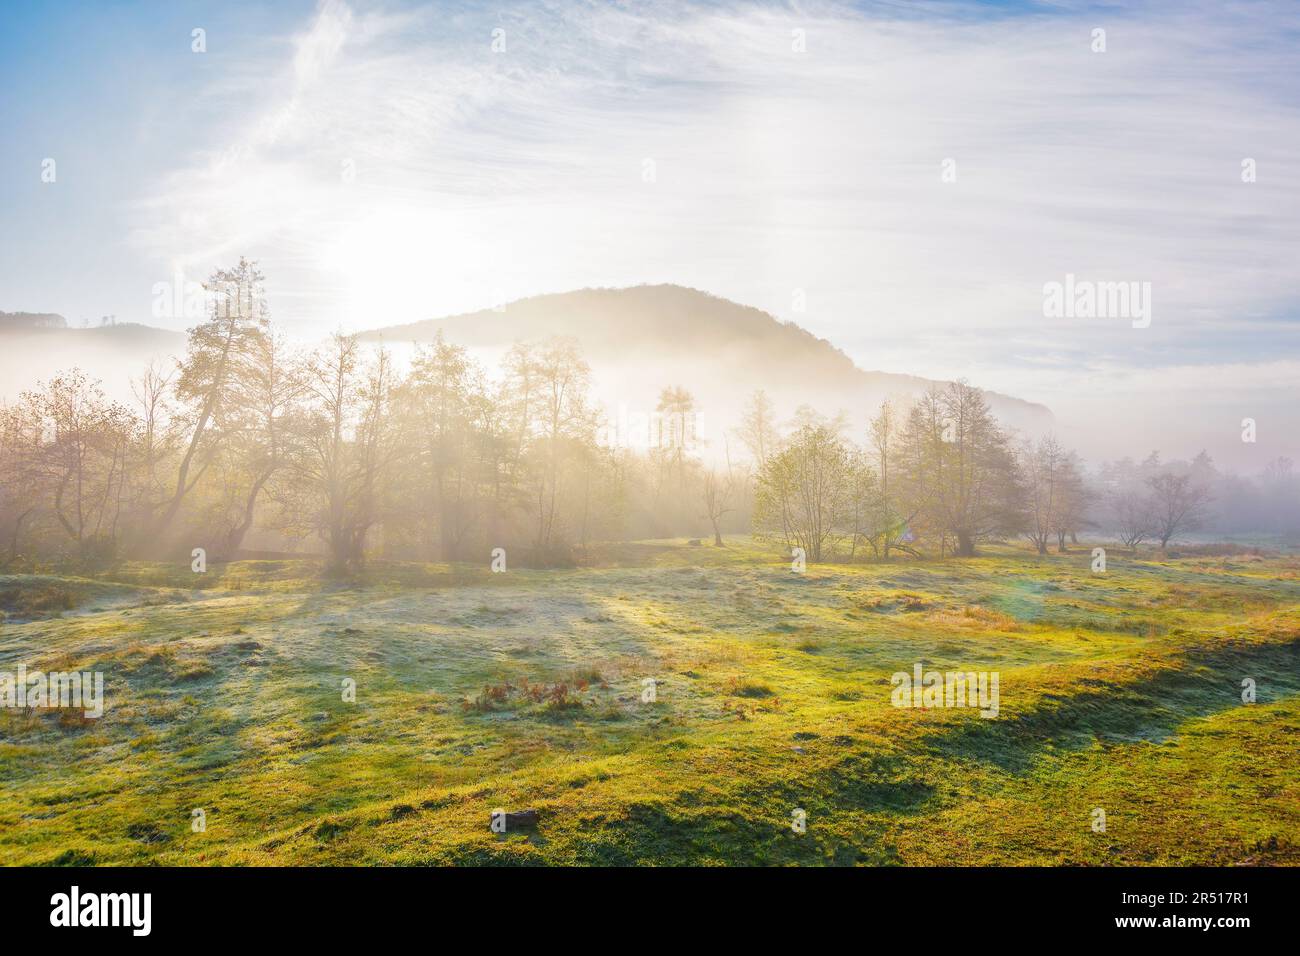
x: 901, y: 179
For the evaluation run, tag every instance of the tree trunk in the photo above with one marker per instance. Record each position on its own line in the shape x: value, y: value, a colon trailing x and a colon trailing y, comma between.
x: 965, y: 544
x: 235, y: 537
x: 18, y: 527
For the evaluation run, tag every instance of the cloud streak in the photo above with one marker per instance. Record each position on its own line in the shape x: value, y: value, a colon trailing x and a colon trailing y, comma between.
x: 482, y: 175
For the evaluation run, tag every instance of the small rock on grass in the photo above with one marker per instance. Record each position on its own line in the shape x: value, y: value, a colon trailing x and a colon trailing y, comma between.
x: 522, y: 820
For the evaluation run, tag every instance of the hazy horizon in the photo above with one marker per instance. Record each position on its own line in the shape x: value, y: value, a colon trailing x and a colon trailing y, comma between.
x: 632, y: 386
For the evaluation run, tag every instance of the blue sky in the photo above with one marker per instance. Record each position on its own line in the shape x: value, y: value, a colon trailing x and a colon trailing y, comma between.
x: 386, y: 164
x: 109, y: 91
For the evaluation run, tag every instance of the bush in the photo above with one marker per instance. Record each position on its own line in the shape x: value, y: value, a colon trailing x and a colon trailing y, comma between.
x: 37, y: 599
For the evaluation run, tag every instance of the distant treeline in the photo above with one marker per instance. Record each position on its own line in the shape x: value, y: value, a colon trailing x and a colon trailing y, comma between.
x: 336, y: 451
x: 945, y: 475
x: 32, y: 320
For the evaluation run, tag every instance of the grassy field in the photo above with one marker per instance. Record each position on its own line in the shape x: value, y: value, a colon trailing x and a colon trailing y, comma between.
x: 477, y: 691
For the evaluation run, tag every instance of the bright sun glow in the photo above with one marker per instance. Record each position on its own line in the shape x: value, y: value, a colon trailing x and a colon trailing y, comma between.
x: 386, y: 264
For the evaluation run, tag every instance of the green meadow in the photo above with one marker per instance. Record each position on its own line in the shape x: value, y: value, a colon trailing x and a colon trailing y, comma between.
x: 477, y: 692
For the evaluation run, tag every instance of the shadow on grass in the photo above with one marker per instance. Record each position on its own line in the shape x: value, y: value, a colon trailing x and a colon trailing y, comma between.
x: 1209, y: 682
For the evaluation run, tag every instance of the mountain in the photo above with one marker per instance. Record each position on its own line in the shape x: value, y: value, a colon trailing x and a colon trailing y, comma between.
x: 34, y: 347
x: 640, y: 339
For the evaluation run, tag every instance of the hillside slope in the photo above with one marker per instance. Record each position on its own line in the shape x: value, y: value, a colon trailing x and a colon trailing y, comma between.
x: 637, y: 340
x: 642, y: 338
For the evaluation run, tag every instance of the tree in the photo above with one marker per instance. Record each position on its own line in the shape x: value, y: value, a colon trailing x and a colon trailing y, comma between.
x: 237, y: 313
x: 23, y: 488
x: 1177, y: 506
x: 980, y: 497
x: 346, y: 446
x: 717, y: 494
x: 1133, y: 516
x: 322, y: 465
x: 440, y: 393
x: 265, y: 385
x: 758, y: 427
x: 676, y: 433
x: 158, y: 440
x: 890, y: 515
x: 1043, y: 467
x: 1278, y: 496
x: 960, y: 473
x: 677, y: 406
x: 565, y: 426
x: 1072, y: 502
x: 84, y: 457
x: 377, y: 449
x: 805, y: 492
x: 920, y: 464
x: 499, y: 464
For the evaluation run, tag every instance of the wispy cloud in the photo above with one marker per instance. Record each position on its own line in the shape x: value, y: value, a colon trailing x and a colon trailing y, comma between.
x: 483, y: 175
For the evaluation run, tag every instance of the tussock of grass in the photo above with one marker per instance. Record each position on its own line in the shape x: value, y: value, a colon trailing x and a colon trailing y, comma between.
x: 973, y: 616
x: 741, y: 687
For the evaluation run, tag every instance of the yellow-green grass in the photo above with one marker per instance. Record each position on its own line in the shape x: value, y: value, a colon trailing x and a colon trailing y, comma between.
x: 1119, y: 691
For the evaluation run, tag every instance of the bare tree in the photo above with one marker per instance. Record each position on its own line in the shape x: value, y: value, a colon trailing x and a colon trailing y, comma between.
x: 717, y: 494
x: 158, y: 433
x: 1042, y: 466
x: 1134, y: 519
x: 564, y: 420
x: 347, y: 444
x: 1177, y: 506
x: 85, y: 457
